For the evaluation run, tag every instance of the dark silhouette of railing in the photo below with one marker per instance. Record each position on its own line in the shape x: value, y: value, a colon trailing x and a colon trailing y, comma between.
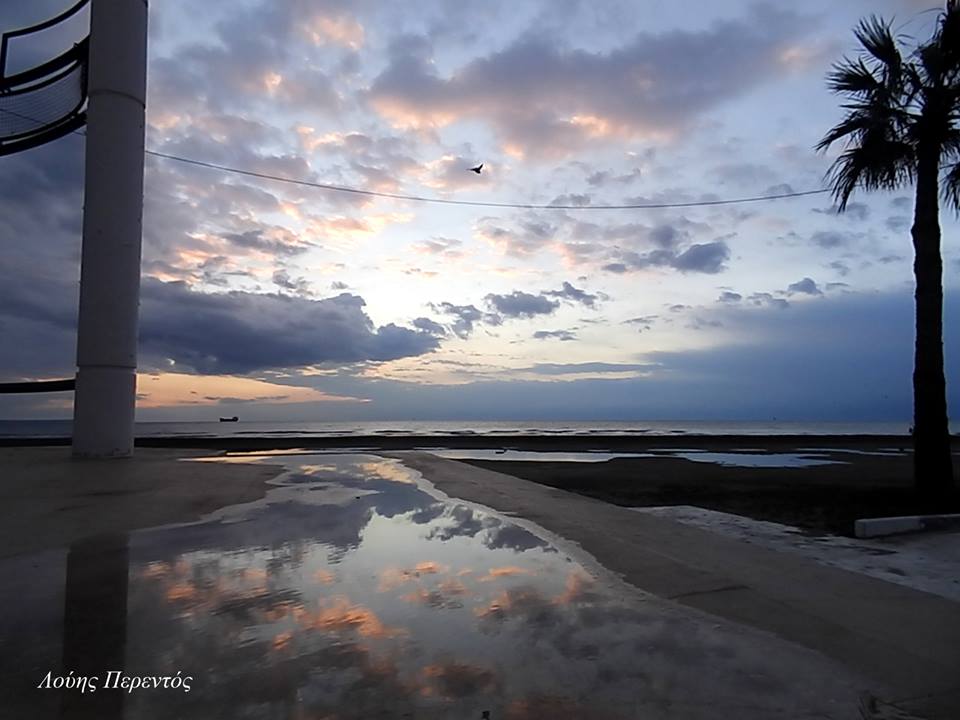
x: 47, y: 101
x: 35, y: 386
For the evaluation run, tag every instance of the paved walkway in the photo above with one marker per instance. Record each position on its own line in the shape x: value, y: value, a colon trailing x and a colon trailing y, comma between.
x: 903, y: 638
x: 897, y: 637
x: 48, y: 500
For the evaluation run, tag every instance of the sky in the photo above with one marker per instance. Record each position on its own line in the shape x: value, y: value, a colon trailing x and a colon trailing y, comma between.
x: 276, y: 301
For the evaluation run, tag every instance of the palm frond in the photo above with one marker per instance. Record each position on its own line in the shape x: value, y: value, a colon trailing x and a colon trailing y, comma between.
x: 940, y: 55
x: 854, y: 77
x: 872, y: 164
x: 950, y: 187
x: 947, y: 37
x: 876, y: 37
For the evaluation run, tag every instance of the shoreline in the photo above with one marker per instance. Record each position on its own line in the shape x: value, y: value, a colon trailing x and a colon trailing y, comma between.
x: 619, y: 442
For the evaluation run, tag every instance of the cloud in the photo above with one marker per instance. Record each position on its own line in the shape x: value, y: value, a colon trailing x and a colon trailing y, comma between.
x: 855, y: 211
x: 519, y: 304
x: 569, y: 292
x: 447, y: 248
x: 897, y: 223
x: 700, y: 323
x: 467, y: 316
x: 760, y: 299
x: 299, y: 286
x: 591, y: 368
x: 571, y: 199
x: 804, y: 287
x: 643, y: 322
x: 531, y: 235
x: 729, y: 297
x: 841, y: 268
x: 562, y: 335
x: 240, y: 332
x: 179, y: 389
x: 545, y: 99
x: 429, y: 326
x: 745, y: 174
x: 902, y: 203
x: 829, y: 239
x: 708, y: 258
x: 601, y: 178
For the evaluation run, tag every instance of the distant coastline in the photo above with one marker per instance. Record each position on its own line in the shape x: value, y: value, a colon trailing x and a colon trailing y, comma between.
x: 149, y: 431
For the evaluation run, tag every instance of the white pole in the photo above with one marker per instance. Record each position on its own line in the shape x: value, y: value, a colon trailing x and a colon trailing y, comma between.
x: 105, y: 395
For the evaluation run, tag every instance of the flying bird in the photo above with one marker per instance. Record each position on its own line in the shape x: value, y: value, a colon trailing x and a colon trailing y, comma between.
x: 477, y: 169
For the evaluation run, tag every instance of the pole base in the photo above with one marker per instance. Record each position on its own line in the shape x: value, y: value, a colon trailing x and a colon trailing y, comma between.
x: 103, y: 412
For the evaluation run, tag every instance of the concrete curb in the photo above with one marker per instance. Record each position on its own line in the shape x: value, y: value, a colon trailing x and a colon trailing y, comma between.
x: 878, y: 527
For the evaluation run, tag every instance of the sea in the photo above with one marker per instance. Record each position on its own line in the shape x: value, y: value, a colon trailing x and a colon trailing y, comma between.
x: 63, y: 428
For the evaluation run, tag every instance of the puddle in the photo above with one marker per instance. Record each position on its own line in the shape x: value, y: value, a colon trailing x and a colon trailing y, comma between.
x: 759, y: 460
x: 356, y: 590
x: 883, y: 452
x: 530, y: 455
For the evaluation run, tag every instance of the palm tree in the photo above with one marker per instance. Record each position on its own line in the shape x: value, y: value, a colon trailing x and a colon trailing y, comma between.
x: 902, y: 126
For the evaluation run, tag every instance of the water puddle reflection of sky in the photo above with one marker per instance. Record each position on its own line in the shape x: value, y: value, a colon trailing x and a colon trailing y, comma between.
x: 757, y: 460
x: 531, y: 455
x: 356, y: 590
x: 737, y: 458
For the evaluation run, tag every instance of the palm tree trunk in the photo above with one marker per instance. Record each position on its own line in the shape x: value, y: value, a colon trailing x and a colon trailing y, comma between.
x: 932, y: 466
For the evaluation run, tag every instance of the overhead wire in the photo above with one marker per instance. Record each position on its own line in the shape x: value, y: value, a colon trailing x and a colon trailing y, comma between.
x: 469, y: 203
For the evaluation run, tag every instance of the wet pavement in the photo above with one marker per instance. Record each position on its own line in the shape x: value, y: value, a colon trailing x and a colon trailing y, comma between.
x: 357, y: 590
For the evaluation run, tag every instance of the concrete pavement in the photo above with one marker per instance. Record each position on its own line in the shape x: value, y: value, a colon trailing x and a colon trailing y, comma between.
x: 905, y: 639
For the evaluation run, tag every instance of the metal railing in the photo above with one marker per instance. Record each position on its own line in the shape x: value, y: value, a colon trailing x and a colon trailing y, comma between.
x: 47, y: 101
x: 36, y: 386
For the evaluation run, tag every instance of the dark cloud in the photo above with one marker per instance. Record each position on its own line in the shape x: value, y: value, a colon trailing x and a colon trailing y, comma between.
x: 467, y: 316
x: 546, y: 99
x: 429, y: 326
x: 855, y: 211
x: 239, y: 332
x: 846, y: 357
x: 700, y: 323
x: 804, y: 287
x: 299, y: 286
x: 897, y: 223
x: 562, y: 335
x: 569, y: 292
x: 665, y: 236
x: 763, y: 298
x: 444, y: 247
x: 587, y: 367
x: 529, y: 236
x: 574, y: 199
x: 902, y: 203
x: 240, y: 401
x: 706, y: 258
x: 600, y: 178
x: 829, y: 239
x: 841, y: 268
x: 643, y: 322
x: 519, y: 304
x: 728, y: 296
